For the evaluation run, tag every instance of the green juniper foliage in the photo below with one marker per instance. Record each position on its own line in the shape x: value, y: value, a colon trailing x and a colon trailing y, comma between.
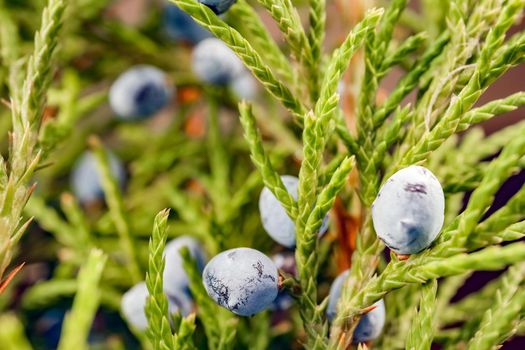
x: 323, y: 113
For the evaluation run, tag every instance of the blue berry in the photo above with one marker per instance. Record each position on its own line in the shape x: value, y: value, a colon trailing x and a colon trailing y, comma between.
x: 180, y: 26
x: 274, y: 218
x: 242, y: 280
x: 218, y: 6
x: 175, y: 278
x: 408, y: 212
x: 85, y: 178
x: 133, y: 303
x: 245, y: 86
x: 282, y: 302
x: 139, y: 92
x: 214, y: 62
x: 370, y: 325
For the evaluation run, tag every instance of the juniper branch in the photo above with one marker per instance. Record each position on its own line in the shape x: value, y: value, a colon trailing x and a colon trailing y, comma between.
x: 498, y: 320
x: 77, y: 324
x: 116, y: 208
x: 306, y: 240
x: 422, y: 330
x: 511, y: 233
x: 244, y: 50
x: 376, y: 46
x: 370, y: 167
x: 491, y: 109
x: 26, y: 109
x: 400, y: 273
x: 271, y: 179
x: 473, y: 305
x: 307, y: 259
x: 447, y: 289
x: 410, y: 80
x: 308, y: 174
x: 482, y: 76
x: 328, y: 99
x: 463, y: 168
x: 183, y: 339
x: 261, y: 39
x: 159, y: 330
x: 50, y: 220
x: 9, y: 49
x: 347, y: 139
x: 401, y: 309
x: 78, y: 221
x: 326, y: 198
x: 408, y: 46
x: 316, y: 39
x: 289, y: 22
x: 509, y: 55
x: 47, y: 293
x: 364, y: 264
x: 459, y: 230
x: 39, y: 69
x: 508, y: 214
x: 467, y: 33
x: 481, y: 198
x: 455, y: 236
x: 218, y: 159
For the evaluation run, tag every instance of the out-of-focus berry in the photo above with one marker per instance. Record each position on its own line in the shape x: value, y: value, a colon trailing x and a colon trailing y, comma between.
x: 370, y: 325
x: 181, y: 27
x: 218, y: 6
x: 85, y: 178
x: 175, y: 278
x: 274, y: 218
x: 245, y: 86
x: 133, y: 303
x: 140, y: 92
x: 214, y: 62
